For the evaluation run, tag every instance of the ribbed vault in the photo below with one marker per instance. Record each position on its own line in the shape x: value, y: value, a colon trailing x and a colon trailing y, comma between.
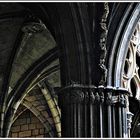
x: 28, y: 53
x: 61, y: 51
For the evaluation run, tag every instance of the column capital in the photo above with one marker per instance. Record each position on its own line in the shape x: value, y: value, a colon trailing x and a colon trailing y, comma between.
x: 76, y: 93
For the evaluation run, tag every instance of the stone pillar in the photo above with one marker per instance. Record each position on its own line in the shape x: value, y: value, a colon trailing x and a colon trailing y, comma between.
x: 89, y: 111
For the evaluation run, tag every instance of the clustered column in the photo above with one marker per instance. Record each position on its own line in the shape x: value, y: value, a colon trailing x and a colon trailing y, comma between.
x: 93, y: 111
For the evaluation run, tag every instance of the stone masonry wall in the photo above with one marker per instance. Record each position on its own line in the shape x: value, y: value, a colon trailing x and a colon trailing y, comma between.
x: 27, y: 125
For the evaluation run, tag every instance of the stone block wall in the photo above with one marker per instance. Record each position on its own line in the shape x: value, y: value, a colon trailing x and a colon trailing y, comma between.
x: 27, y: 125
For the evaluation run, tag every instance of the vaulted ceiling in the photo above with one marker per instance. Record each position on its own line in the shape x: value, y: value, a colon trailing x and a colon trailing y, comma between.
x: 29, y: 68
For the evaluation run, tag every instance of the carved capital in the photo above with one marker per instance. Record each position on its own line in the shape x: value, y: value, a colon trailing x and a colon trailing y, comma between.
x: 76, y: 96
x: 86, y: 98
x: 92, y: 96
x: 97, y: 97
x: 109, y: 99
x: 122, y: 100
x: 102, y: 98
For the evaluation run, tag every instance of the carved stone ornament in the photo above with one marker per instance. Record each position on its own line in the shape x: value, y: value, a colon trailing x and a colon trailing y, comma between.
x: 92, y: 96
x: 33, y: 27
x: 76, y: 96
x: 122, y: 101
x: 129, y: 119
x: 102, y: 44
x: 96, y: 95
x: 102, y: 98
x: 109, y: 99
x: 86, y: 97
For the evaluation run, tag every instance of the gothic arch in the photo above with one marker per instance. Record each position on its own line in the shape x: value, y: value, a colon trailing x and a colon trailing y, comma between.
x: 81, y: 41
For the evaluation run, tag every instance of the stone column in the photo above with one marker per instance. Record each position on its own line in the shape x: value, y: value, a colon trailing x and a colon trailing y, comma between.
x: 89, y: 111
